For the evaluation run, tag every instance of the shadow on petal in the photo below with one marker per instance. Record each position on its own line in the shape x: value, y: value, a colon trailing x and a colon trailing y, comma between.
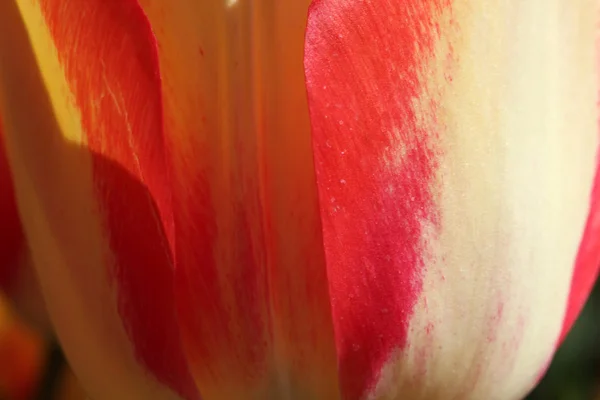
x: 60, y: 209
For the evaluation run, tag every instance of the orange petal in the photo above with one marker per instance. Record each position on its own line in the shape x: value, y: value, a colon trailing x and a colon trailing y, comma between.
x: 251, y: 282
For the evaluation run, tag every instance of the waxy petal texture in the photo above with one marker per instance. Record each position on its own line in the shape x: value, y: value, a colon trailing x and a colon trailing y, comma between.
x: 193, y: 242
x: 250, y: 269
x: 455, y: 147
x: 80, y: 99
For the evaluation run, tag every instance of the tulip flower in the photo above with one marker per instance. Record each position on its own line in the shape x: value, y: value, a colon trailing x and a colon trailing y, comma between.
x: 252, y: 199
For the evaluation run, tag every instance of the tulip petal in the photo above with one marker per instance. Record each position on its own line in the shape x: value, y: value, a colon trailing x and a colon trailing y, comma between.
x: 455, y: 146
x: 250, y: 271
x: 80, y: 95
x: 588, y: 256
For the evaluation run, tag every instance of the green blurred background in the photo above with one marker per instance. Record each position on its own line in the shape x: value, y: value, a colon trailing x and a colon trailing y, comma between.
x: 575, y: 371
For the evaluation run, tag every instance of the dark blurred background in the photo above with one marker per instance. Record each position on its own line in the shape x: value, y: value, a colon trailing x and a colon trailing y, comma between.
x: 575, y: 370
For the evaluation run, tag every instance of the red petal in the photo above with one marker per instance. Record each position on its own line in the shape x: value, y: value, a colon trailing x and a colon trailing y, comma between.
x: 456, y: 175
x: 123, y: 125
x: 362, y: 77
x: 97, y: 125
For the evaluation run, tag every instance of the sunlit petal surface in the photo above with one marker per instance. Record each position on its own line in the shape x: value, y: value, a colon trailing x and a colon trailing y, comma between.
x: 455, y: 146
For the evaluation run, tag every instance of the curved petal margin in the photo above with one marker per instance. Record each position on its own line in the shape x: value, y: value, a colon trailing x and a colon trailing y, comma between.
x: 455, y: 147
x: 250, y: 273
x: 81, y: 101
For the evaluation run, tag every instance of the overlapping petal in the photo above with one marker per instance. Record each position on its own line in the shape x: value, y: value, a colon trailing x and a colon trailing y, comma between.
x: 250, y: 272
x: 229, y: 179
x: 80, y: 98
x: 180, y: 226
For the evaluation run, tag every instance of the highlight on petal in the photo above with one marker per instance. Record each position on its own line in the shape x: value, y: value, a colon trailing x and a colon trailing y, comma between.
x: 80, y: 99
x: 250, y: 270
x: 455, y: 149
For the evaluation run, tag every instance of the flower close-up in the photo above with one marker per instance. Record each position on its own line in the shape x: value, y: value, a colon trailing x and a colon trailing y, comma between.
x: 302, y: 200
